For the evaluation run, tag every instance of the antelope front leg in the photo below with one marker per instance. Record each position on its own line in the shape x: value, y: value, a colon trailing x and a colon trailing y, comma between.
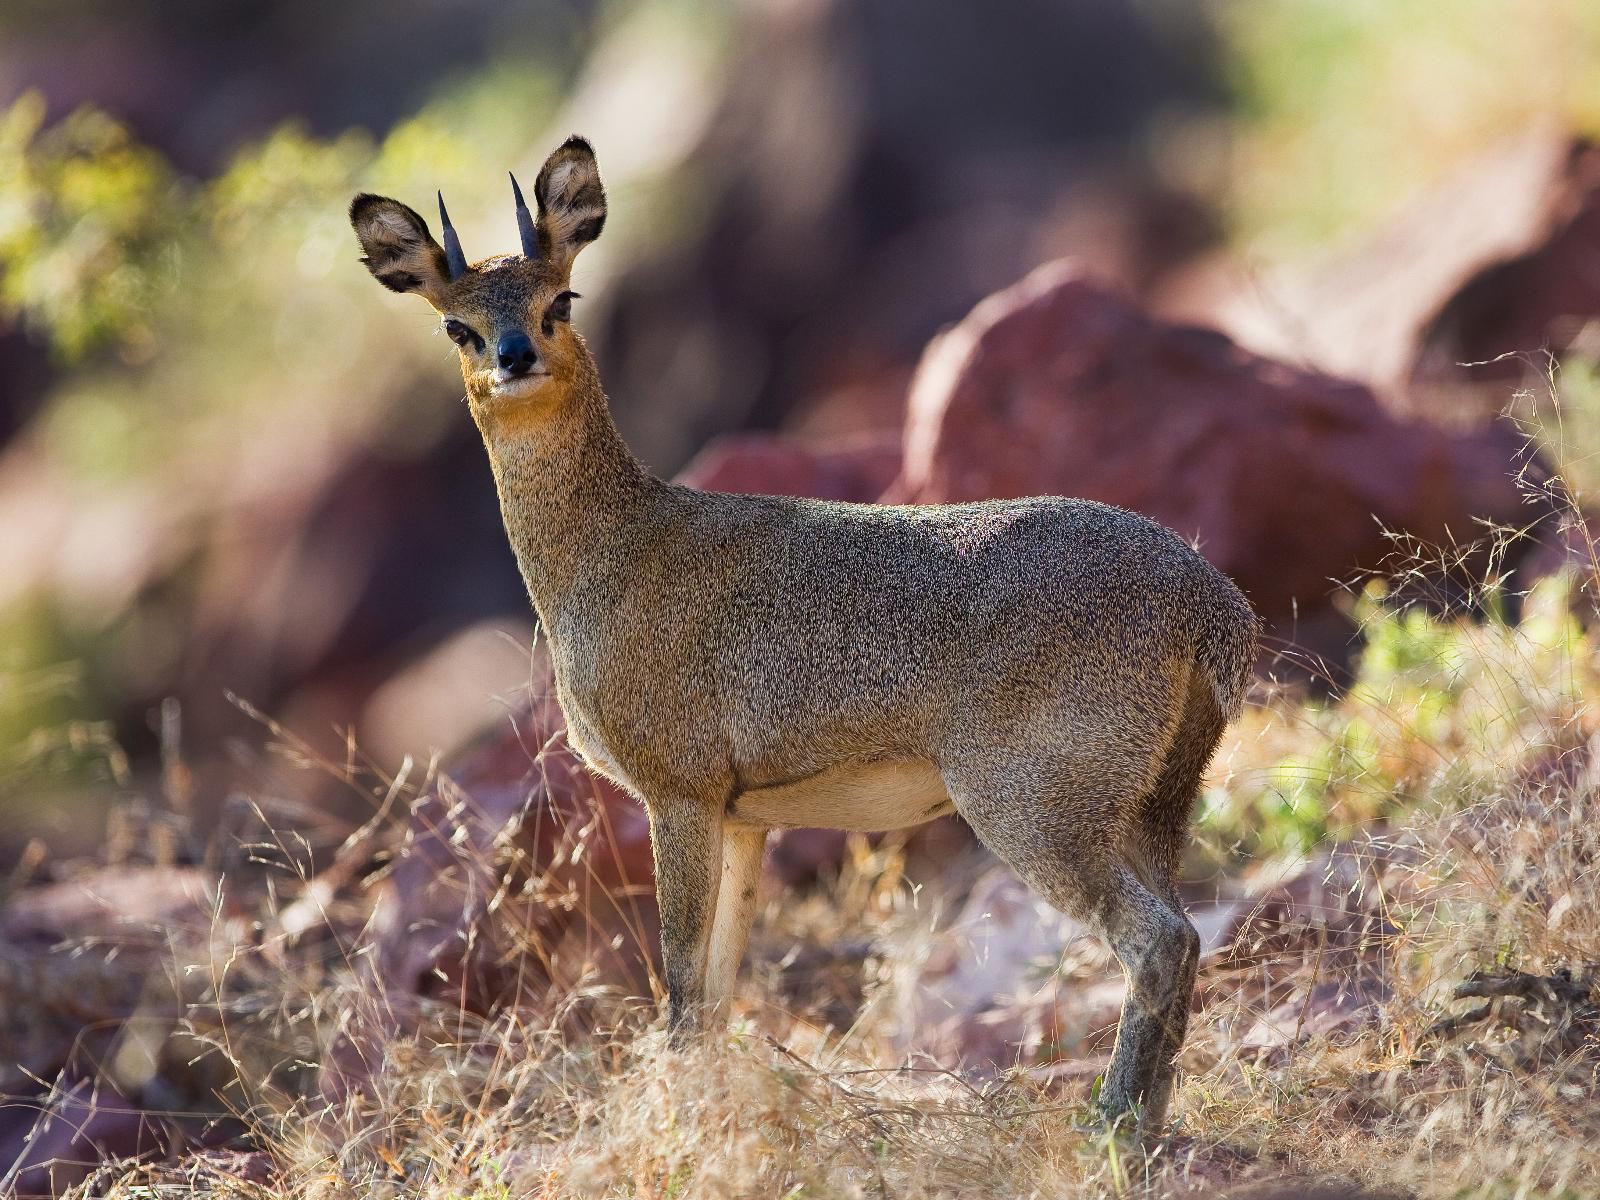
x: 736, y: 908
x: 686, y: 838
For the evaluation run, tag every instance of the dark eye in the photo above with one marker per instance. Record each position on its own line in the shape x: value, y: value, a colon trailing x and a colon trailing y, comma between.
x: 560, y: 310
x: 461, y: 335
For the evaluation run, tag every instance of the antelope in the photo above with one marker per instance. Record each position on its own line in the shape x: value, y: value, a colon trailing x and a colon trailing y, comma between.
x: 1056, y: 671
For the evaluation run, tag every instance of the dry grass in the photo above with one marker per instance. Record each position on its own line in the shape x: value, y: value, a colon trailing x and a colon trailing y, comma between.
x: 588, y: 1101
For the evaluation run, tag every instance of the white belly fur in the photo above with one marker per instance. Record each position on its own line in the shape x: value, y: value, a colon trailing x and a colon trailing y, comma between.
x: 859, y: 797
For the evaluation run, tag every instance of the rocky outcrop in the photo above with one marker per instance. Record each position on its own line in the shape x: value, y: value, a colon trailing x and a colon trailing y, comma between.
x: 1286, y: 479
x: 89, y: 999
x: 1496, y: 264
x: 1538, y: 296
x: 858, y: 468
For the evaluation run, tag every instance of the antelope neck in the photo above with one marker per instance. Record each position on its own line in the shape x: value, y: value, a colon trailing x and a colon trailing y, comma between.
x: 569, y: 490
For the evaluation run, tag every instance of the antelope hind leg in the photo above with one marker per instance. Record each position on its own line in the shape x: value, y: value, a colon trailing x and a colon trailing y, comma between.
x: 1158, y: 949
x: 1063, y: 847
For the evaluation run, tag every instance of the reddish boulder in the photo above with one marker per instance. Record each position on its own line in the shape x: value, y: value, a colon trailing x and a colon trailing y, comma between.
x: 517, y: 822
x: 857, y: 468
x: 78, y: 957
x: 522, y: 877
x: 1286, y: 479
x: 1539, y: 295
x: 1003, y: 982
x: 85, y: 961
x: 76, y: 1129
x: 1501, y: 258
x: 1008, y: 979
x: 1332, y: 907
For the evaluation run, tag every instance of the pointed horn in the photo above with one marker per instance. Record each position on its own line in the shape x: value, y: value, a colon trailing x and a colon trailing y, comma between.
x: 454, y: 259
x: 529, y: 235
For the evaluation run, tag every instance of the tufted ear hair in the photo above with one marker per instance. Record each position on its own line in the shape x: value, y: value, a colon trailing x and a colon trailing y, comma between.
x: 572, y: 202
x: 397, y: 247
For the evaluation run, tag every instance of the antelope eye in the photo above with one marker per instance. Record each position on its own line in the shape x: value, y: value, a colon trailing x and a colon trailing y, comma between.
x: 461, y: 335
x: 560, y: 310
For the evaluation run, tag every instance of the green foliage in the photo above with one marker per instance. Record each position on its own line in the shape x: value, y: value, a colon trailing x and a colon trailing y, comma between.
x: 231, y: 297
x: 211, y: 328
x: 42, y: 746
x: 89, y: 225
x: 1440, y: 706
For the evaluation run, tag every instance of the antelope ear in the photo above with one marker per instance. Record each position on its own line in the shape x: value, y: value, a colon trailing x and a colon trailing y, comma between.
x: 572, y: 202
x: 397, y: 247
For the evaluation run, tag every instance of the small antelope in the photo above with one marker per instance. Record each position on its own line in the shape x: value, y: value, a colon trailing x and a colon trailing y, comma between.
x: 1056, y: 671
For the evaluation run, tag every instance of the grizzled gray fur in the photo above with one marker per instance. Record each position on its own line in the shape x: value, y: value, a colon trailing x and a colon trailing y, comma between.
x: 1056, y: 671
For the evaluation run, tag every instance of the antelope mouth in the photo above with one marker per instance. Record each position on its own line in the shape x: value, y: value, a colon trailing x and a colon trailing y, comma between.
x: 514, y: 386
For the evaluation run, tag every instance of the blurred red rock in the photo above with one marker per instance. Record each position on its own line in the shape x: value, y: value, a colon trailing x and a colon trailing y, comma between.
x: 518, y: 822
x: 1542, y: 295
x: 76, y: 1130
x: 1286, y: 479
x: 1331, y: 904
x: 128, y: 904
x: 82, y: 961
x: 994, y: 991
x: 857, y: 468
x: 1009, y: 980
x: 77, y: 957
x: 1501, y: 258
x: 522, y: 877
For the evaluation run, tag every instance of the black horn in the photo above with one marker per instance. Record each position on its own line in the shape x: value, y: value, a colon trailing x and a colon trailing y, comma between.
x: 454, y: 259
x: 529, y: 235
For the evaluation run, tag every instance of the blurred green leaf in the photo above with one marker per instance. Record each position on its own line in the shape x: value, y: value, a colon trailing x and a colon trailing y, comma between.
x: 88, y: 225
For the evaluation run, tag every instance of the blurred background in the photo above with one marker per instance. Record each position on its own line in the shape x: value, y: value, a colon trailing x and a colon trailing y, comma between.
x: 237, y: 478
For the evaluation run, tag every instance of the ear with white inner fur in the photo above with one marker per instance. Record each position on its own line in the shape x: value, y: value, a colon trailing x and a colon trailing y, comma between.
x: 572, y: 202
x: 397, y: 247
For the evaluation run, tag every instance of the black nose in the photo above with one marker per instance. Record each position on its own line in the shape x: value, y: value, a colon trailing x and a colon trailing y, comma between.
x: 516, y: 352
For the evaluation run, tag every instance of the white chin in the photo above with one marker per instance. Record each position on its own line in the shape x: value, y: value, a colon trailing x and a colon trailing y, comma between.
x: 518, y: 386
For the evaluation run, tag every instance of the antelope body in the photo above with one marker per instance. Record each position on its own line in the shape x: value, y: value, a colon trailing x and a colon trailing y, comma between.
x: 1056, y: 671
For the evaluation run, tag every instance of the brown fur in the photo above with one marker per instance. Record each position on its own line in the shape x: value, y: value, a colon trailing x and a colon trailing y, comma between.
x: 1057, y: 671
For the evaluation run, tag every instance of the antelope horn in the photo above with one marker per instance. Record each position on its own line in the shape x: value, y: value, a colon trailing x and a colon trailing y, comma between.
x: 454, y: 259
x: 530, y: 236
